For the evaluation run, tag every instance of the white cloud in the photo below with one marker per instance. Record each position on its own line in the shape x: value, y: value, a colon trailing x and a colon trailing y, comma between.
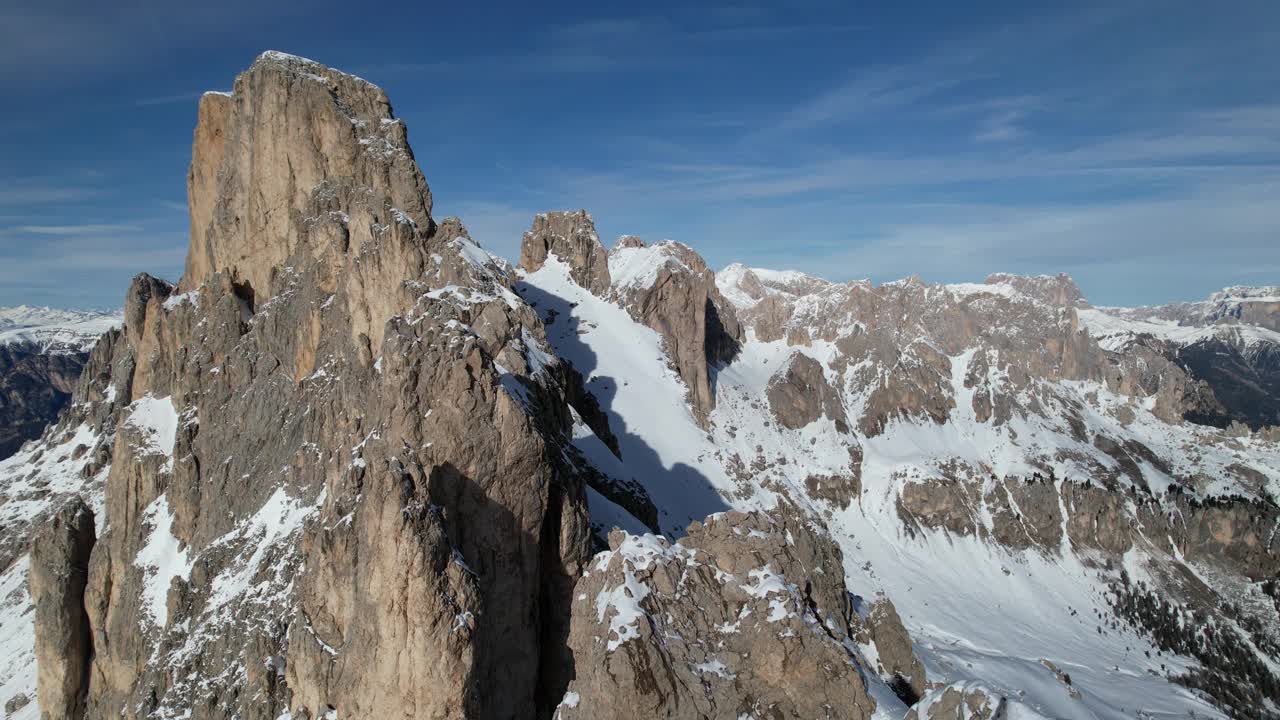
x: 72, y: 230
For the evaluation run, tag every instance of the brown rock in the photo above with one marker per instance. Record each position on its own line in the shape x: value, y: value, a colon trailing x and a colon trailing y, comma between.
x: 800, y: 394
x: 894, y: 646
x: 960, y: 700
x: 570, y: 236
x: 744, y: 616
x: 1058, y: 290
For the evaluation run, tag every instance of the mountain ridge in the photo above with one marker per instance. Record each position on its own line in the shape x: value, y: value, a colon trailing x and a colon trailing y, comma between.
x: 353, y: 465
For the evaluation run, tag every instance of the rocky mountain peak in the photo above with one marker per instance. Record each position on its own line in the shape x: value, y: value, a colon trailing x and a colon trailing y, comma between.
x: 668, y: 287
x: 628, y: 241
x: 337, y: 444
x: 570, y: 236
x: 1057, y: 290
x: 1259, y: 293
x: 298, y: 159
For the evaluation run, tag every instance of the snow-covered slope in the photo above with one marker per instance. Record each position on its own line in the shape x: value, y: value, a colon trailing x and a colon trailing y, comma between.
x: 934, y: 503
x: 1115, y: 329
x: 53, y: 330
x: 624, y: 366
x: 33, y: 483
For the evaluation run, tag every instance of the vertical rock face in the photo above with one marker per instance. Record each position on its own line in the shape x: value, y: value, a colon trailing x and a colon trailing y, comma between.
x: 745, y: 616
x: 1057, y: 290
x: 572, y: 237
x: 59, y: 568
x: 338, y: 482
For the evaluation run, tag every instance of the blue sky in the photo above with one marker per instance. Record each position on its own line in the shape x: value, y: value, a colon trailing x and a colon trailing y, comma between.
x: 1134, y: 145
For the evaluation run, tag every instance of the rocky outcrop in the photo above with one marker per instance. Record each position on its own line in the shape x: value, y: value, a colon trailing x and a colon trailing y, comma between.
x: 1237, y: 305
x: 743, y: 616
x: 1056, y: 290
x: 570, y: 236
x: 16, y: 703
x: 800, y: 394
x: 1243, y: 380
x: 1258, y: 306
x: 893, y: 647
x: 59, y: 569
x: 1228, y: 345
x: 898, y: 342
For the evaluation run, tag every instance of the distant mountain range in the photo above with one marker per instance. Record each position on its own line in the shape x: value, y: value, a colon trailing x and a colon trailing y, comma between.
x: 55, y: 331
x: 41, y: 353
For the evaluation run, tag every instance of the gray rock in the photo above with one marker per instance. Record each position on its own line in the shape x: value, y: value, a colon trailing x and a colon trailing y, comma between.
x: 16, y: 703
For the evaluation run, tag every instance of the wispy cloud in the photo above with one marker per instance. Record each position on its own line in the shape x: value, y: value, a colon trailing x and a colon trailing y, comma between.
x: 1113, y: 244
x: 73, y: 230
x: 870, y: 92
x: 90, y: 263
x: 37, y: 195
x: 1002, y: 126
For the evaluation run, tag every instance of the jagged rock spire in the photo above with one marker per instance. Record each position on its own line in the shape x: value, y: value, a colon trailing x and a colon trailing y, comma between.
x: 571, y: 236
x: 292, y: 136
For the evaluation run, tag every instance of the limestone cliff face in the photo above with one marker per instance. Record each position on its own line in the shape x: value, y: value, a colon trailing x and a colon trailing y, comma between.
x: 884, y: 627
x: 668, y: 287
x: 336, y: 483
x: 897, y: 342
